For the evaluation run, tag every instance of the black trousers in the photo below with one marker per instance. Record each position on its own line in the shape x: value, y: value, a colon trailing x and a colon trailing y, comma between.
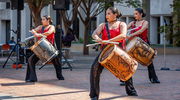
x: 96, y: 70
x: 31, y: 70
x: 151, y: 71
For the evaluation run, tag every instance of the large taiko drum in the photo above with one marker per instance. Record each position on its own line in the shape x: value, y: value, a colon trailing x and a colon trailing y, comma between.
x: 141, y: 51
x: 118, y: 62
x: 44, y: 50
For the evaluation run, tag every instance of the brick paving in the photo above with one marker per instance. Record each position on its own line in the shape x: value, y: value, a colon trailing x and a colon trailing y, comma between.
x: 76, y: 83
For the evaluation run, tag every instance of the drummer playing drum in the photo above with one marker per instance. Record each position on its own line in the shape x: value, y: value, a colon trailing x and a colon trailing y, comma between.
x: 47, y: 30
x: 141, y: 27
x: 117, y: 33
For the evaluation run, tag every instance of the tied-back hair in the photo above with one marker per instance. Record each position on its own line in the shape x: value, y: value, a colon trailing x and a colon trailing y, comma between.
x: 140, y: 10
x: 48, y: 18
x: 115, y: 11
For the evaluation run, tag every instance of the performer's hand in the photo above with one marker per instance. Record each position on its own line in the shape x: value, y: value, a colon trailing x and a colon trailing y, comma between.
x: 37, y: 35
x: 128, y: 36
x: 99, y: 40
x: 33, y: 31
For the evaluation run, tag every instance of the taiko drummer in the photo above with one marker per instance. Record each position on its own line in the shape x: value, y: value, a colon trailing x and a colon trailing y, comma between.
x: 117, y: 33
x: 48, y: 30
x: 140, y: 27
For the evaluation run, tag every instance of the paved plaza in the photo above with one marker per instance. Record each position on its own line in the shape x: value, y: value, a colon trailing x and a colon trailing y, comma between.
x: 76, y: 84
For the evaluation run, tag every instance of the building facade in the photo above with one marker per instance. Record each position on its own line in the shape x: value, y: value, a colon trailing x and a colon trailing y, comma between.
x: 159, y: 9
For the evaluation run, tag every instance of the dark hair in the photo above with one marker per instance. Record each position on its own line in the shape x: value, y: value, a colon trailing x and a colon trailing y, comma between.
x: 69, y: 31
x: 48, y: 18
x: 115, y: 11
x: 140, y: 10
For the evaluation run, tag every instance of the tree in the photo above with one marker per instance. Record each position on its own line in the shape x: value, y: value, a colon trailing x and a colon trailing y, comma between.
x: 173, y: 29
x: 92, y: 11
x: 35, y: 7
x: 68, y: 19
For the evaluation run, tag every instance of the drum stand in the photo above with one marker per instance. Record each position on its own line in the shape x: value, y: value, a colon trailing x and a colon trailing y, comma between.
x: 18, y: 49
x: 66, y: 61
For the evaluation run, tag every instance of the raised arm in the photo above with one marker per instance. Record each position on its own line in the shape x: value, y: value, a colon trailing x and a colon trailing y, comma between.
x: 130, y: 25
x: 123, y: 31
x: 97, y: 32
x: 50, y: 31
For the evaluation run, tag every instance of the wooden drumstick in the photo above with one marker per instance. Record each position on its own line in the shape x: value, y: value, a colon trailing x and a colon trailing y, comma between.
x: 29, y: 38
x: 40, y: 34
x: 88, y: 45
x: 108, y: 42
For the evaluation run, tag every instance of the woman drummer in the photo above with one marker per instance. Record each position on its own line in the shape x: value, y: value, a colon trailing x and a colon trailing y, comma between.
x: 117, y: 31
x: 49, y: 31
x: 140, y: 27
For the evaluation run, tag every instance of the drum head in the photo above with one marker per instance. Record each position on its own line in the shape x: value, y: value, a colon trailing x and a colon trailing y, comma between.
x: 106, y: 53
x: 131, y: 44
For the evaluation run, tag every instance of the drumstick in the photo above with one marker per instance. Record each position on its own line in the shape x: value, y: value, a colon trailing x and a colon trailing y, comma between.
x: 39, y: 34
x: 88, y: 45
x: 111, y: 42
x: 29, y: 38
x: 100, y: 43
x: 108, y: 42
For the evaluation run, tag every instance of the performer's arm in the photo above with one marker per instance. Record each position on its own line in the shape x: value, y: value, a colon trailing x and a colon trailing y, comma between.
x: 97, y: 32
x: 130, y: 25
x: 38, y: 29
x: 123, y: 31
x: 50, y: 31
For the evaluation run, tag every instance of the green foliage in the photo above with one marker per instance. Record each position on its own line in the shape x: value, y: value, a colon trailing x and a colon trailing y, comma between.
x: 81, y: 40
x: 128, y: 3
x: 173, y: 26
x: 90, y: 39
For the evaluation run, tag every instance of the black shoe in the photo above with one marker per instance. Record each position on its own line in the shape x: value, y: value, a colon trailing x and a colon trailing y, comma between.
x: 154, y: 80
x: 31, y: 81
x: 95, y: 98
x: 122, y: 83
x: 133, y: 94
x: 61, y: 78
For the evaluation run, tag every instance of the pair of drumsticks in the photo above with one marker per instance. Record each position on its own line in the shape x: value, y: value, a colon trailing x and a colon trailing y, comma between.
x: 100, y: 43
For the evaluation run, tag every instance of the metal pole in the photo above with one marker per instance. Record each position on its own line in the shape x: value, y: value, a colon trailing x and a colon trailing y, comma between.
x: 165, y: 68
x: 164, y: 48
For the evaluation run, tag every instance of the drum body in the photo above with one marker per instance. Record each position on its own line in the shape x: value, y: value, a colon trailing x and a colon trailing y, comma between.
x: 118, y: 62
x: 44, y: 50
x: 141, y: 51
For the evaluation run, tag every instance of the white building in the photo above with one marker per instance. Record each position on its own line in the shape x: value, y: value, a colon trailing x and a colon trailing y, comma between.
x: 8, y: 20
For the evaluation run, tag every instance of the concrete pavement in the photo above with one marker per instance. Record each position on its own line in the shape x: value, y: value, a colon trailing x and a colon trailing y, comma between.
x: 76, y: 83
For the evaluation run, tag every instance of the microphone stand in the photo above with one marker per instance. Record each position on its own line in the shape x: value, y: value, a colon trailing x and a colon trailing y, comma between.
x: 165, y: 68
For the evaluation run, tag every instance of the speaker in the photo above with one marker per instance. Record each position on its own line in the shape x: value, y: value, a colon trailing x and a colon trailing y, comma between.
x: 17, y: 4
x: 60, y: 4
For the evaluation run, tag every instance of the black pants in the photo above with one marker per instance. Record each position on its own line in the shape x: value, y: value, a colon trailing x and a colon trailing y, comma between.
x: 31, y: 70
x: 151, y: 72
x: 95, y: 72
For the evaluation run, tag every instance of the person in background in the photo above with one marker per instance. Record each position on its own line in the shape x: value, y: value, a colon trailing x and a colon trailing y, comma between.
x: 75, y: 36
x: 12, y: 42
x: 67, y: 40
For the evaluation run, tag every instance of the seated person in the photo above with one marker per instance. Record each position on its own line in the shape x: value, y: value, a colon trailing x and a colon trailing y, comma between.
x: 12, y: 42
